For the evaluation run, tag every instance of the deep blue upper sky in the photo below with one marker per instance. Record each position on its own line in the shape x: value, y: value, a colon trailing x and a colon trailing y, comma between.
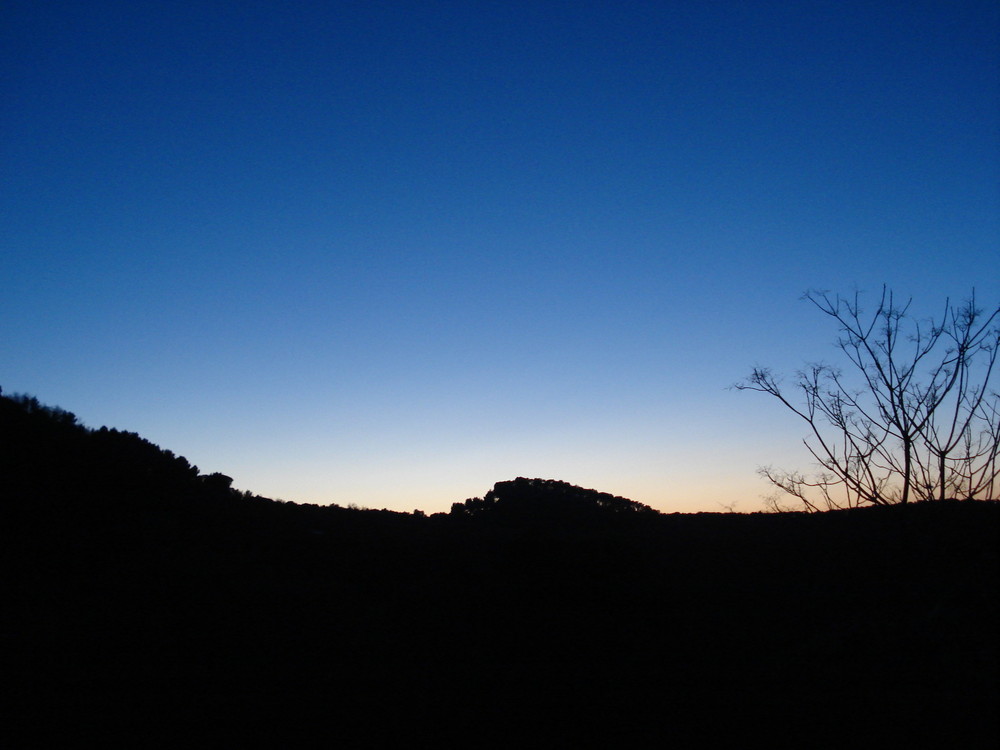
x: 392, y: 252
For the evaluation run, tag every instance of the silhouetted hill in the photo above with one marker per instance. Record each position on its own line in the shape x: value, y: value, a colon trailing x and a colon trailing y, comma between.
x: 548, y: 503
x: 127, y: 573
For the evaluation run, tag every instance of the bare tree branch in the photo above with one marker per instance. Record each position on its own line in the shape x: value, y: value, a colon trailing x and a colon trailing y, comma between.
x: 914, y: 417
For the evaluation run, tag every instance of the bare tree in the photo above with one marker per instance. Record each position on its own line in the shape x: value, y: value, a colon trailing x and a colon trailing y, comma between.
x: 913, y: 417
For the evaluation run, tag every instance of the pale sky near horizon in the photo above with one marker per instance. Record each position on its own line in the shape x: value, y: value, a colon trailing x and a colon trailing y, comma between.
x: 390, y: 253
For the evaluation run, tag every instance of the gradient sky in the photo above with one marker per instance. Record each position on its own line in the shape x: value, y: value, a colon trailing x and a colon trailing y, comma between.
x: 390, y: 253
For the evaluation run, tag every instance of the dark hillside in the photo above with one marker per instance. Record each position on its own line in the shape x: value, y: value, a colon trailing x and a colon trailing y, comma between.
x: 551, y: 505
x: 128, y: 573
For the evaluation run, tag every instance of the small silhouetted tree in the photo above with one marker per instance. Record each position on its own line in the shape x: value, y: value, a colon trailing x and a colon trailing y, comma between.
x: 913, y: 416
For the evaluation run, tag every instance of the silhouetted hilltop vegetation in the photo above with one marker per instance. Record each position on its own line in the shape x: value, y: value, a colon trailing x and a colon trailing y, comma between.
x: 49, y: 451
x: 548, y: 502
x: 127, y: 573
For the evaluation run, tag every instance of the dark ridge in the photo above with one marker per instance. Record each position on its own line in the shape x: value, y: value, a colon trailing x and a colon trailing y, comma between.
x: 547, y: 502
x: 128, y: 574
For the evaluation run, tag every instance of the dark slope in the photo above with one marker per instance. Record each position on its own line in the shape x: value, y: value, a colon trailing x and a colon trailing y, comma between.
x: 127, y: 573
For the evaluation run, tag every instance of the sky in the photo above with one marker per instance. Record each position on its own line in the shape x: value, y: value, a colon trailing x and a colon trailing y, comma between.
x: 391, y: 253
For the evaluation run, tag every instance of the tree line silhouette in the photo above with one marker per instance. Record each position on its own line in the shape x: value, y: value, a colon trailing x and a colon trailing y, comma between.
x: 127, y: 572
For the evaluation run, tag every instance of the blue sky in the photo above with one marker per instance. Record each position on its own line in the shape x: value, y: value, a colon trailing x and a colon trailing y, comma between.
x: 389, y: 253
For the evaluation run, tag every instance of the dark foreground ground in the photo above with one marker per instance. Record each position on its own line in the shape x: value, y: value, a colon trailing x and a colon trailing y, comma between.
x: 138, y: 594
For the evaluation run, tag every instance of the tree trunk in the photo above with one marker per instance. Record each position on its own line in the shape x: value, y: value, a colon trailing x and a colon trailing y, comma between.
x: 907, y: 469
